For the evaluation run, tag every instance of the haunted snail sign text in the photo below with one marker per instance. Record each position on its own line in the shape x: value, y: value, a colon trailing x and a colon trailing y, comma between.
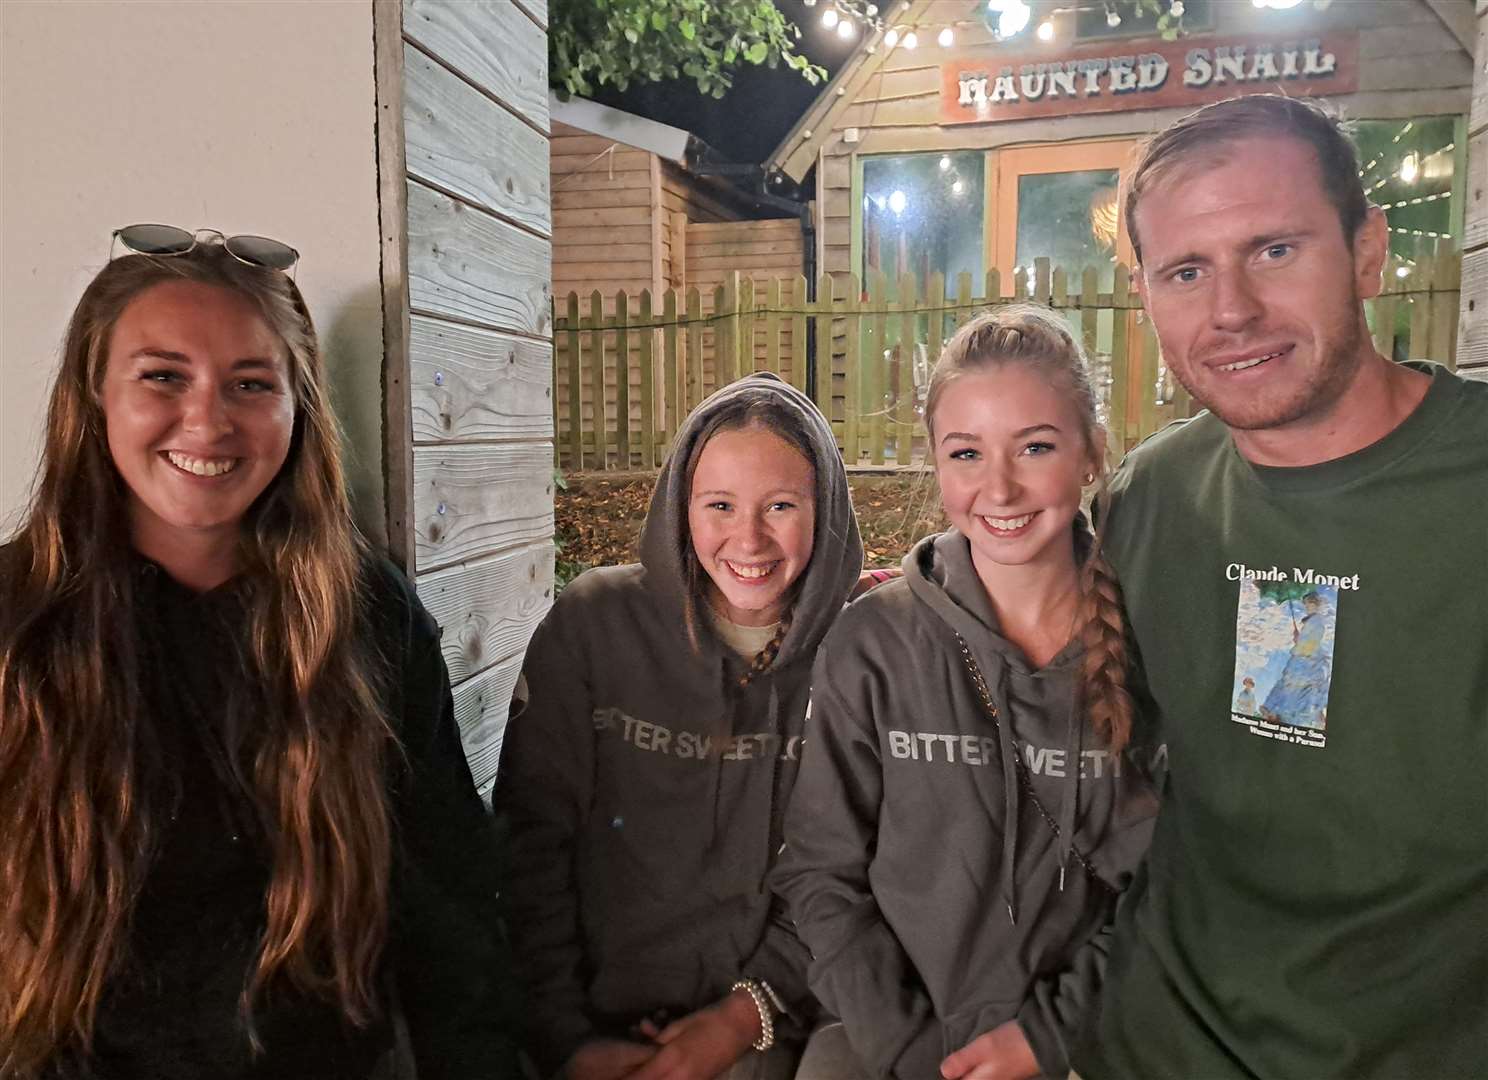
x: 988, y: 86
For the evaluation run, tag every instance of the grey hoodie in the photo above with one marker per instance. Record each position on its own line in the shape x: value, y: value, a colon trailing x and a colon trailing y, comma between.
x: 929, y: 921
x: 644, y: 791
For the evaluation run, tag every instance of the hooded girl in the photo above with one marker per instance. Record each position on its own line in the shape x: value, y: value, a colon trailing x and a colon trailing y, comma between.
x: 965, y: 815
x: 644, y: 779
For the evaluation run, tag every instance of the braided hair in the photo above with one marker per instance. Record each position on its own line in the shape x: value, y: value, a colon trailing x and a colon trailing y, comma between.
x: 1036, y: 337
x: 766, y: 656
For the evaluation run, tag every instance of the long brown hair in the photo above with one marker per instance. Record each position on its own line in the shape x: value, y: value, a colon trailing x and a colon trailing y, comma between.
x: 77, y: 738
x: 1037, y: 338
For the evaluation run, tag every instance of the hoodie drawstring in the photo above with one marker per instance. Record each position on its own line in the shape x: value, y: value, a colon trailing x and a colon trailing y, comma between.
x: 1069, y: 799
x: 1011, y: 804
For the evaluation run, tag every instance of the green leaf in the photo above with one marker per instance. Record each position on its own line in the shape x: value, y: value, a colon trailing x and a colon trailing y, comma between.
x: 757, y: 52
x: 688, y: 30
x: 631, y: 36
x: 658, y: 21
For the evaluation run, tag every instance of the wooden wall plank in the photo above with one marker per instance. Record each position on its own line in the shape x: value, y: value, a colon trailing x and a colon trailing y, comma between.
x: 487, y: 609
x: 472, y: 499
x: 1472, y: 328
x: 469, y: 265
x: 470, y: 383
x: 537, y: 10
x: 481, y: 708
x: 493, y: 44
x: 465, y: 143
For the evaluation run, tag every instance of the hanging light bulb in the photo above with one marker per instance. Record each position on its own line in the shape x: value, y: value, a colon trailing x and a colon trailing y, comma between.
x: 1045, y: 31
x: 846, y: 29
x: 1113, y: 18
x: 892, y: 37
x: 809, y: 3
x: 910, y: 40
x: 945, y: 162
x: 946, y: 38
x: 871, y: 10
x: 958, y: 187
x: 1410, y: 168
x: 1176, y: 9
x: 1013, y: 18
x: 897, y: 202
x: 829, y: 18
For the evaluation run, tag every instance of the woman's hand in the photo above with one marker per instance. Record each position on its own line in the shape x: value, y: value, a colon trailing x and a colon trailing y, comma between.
x: 1000, y: 1054
x: 607, y: 1059
x: 705, y: 1043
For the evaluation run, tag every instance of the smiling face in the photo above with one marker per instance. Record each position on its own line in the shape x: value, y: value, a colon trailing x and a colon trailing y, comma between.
x: 752, y: 519
x: 199, y: 411
x: 1252, y: 286
x: 1011, y: 455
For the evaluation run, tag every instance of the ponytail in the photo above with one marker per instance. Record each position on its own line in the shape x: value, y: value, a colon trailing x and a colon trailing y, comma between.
x: 1109, y: 707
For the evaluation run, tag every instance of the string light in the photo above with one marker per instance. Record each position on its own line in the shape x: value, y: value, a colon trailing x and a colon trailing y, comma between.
x: 829, y: 18
x: 892, y: 37
x: 947, y: 38
x: 910, y: 40
x: 1045, y: 31
x: 945, y: 162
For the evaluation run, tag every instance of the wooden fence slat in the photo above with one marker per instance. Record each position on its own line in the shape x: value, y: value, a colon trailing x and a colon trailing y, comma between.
x: 852, y: 372
x: 726, y: 353
x: 1122, y: 426
x: 1089, y: 312
x: 673, y: 392
x: 575, y: 388
x: 1041, y: 279
x: 1446, y: 297
x: 1020, y: 283
x: 1059, y: 290
x: 772, y: 326
x: 1419, y: 283
x: 799, y: 307
x: 875, y: 381
x: 694, y: 348
x: 748, y: 308
x: 1147, y: 403
x: 935, y: 299
x: 1384, y: 324
x: 648, y: 385
x: 963, y: 298
x: 904, y: 412
x: 622, y: 378
x: 993, y: 295
x: 600, y: 424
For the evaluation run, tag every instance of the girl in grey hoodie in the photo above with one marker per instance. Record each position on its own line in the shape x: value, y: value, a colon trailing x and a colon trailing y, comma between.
x: 644, y: 782
x: 966, y: 814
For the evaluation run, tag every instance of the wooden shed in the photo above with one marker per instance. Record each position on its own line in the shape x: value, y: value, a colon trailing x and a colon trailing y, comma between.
x: 636, y: 214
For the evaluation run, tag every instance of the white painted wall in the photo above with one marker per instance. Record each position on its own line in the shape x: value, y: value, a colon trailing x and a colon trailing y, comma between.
x: 249, y: 116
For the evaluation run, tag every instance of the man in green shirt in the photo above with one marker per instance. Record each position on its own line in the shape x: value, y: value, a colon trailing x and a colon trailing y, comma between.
x: 1306, y: 570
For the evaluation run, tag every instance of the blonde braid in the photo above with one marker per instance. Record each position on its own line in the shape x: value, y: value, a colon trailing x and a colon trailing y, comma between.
x: 1108, y: 702
x: 766, y: 656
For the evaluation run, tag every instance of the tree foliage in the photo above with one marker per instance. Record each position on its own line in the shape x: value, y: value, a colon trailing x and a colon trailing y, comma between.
x: 594, y: 43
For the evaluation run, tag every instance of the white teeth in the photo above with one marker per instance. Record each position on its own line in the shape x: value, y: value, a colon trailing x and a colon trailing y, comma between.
x: 202, y: 466
x: 1241, y: 365
x: 1007, y: 524
x: 751, y: 571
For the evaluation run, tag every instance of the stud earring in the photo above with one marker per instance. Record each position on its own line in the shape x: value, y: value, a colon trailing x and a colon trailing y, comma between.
x: 1090, y: 478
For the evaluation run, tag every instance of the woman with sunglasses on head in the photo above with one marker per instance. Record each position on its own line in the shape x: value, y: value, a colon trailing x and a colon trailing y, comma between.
x: 238, y: 817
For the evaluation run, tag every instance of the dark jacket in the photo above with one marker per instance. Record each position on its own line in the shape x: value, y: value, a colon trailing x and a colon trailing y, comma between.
x: 930, y: 920
x: 644, y: 790
x: 172, y: 1010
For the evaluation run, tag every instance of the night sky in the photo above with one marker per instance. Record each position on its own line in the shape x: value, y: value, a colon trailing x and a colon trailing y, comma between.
x: 746, y: 124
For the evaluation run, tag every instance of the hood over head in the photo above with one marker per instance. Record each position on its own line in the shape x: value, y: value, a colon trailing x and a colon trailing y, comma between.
x: 837, y: 551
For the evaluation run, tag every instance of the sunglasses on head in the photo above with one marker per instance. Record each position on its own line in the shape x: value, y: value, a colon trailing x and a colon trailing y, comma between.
x: 173, y: 240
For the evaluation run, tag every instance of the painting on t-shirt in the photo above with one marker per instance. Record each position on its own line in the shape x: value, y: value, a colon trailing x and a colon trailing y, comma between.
x: 1284, y: 658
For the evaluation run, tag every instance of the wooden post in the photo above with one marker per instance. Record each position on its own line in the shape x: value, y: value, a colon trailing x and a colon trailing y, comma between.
x: 622, y: 378
x: 1090, y: 312
x: 672, y: 393
x: 821, y: 329
x: 648, y: 384
x: 596, y: 323
x: 1147, y: 403
x: 798, y: 338
x: 694, y: 350
x: 575, y: 388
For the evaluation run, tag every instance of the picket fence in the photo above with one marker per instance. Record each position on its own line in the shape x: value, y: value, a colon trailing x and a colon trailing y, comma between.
x: 627, y: 369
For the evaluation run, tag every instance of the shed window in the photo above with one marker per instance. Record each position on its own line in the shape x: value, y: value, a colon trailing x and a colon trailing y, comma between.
x: 924, y: 213
x: 1409, y: 168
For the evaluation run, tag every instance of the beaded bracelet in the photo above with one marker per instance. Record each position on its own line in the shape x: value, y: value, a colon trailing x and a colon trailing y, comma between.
x: 758, y: 993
